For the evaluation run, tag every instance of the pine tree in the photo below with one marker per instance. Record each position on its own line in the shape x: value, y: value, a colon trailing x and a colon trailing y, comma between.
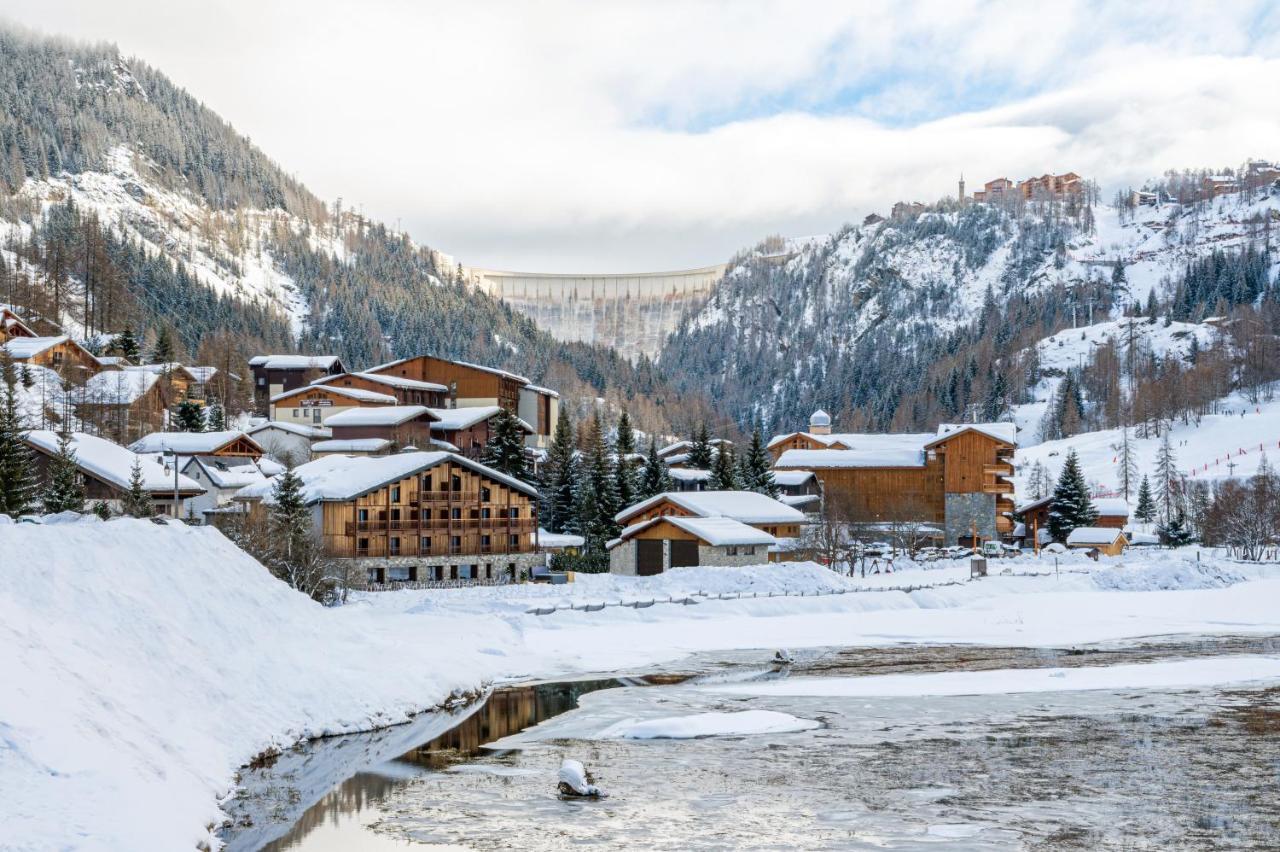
x: 723, y: 475
x: 162, y: 352
x: 290, y: 520
x: 217, y: 417
x: 1174, y: 532
x: 1128, y: 464
x: 1072, y: 506
x: 137, y: 501
x: 126, y: 345
x: 189, y: 417
x: 624, y: 445
x: 700, y: 453
x: 655, y: 478
x: 757, y: 472
x: 558, y: 477
x: 1166, y: 477
x: 1146, y: 509
x: 17, y: 467
x: 505, y: 450
x: 64, y: 491
x: 597, y: 501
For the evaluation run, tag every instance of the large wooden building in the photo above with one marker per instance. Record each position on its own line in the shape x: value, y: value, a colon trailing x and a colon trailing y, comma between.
x: 276, y: 374
x: 58, y: 353
x: 956, y: 482
x: 417, y: 516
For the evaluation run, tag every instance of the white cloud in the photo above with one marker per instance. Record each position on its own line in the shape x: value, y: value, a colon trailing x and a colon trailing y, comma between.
x: 588, y: 136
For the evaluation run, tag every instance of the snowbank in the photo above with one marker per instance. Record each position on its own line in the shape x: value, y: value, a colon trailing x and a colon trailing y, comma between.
x: 709, y: 725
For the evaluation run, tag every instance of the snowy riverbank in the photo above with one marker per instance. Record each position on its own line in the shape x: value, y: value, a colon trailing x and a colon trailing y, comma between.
x: 143, y: 664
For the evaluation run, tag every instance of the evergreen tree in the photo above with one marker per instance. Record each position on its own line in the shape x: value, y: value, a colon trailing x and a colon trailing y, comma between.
x: 700, y: 454
x: 1174, y: 532
x: 757, y: 468
x: 17, y: 467
x: 217, y: 417
x: 1166, y: 477
x: 505, y: 450
x: 1128, y: 463
x: 1146, y: 509
x: 64, y: 491
x: 557, y: 479
x: 137, y: 501
x: 1072, y: 506
x: 1118, y: 278
x: 189, y: 417
x: 723, y: 475
x: 125, y: 344
x: 290, y: 520
x: 597, y: 497
x: 624, y: 445
x: 655, y: 478
x: 162, y: 352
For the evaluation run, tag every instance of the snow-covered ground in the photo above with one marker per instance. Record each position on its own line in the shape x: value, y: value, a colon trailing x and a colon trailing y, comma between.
x: 144, y: 663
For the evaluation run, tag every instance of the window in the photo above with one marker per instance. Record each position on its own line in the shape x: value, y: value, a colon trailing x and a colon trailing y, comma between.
x: 515, y: 512
x: 297, y: 412
x: 395, y: 494
x: 444, y: 514
x: 395, y: 514
x: 486, y: 513
x: 473, y: 514
x: 485, y: 496
x: 315, y: 415
x: 262, y: 380
x: 424, y: 544
x: 455, y: 543
x: 401, y: 573
x: 515, y: 541
x: 484, y: 541
x: 453, y: 572
x: 362, y: 515
x: 426, y: 483
x: 362, y: 544
x: 456, y: 513
x: 455, y: 483
x: 395, y: 545
x: 437, y: 572
x: 425, y: 514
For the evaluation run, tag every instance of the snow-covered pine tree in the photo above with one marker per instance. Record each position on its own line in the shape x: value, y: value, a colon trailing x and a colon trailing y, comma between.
x: 757, y: 468
x: 17, y: 466
x: 724, y: 476
x: 700, y: 455
x: 624, y: 445
x: 1072, y: 506
x: 1174, y: 532
x: 505, y: 450
x: 162, y: 352
x: 597, y: 495
x: 136, y: 502
x: 64, y: 491
x: 1166, y: 478
x: 654, y: 478
x: 217, y: 417
x: 125, y: 344
x: 557, y: 479
x: 189, y: 417
x: 1146, y: 508
x: 290, y: 520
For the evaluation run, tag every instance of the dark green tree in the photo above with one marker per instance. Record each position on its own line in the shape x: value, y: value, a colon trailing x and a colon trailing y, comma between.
x: 136, y: 502
x: 290, y: 520
x: 189, y: 417
x: 1146, y: 508
x: 1072, y: 506
x: 724, y: 476
x: 64, y: 492
x: 217, y: 417
x: 624, y: 446
x: 125, y: 344
x: 17, y: 467
x: 505, y: 450
x: 756, y: 470
x: 1174, y: 532
x: 162, y: 352
x: 700, y: 454
x: 655, y: 478
x: 597, y: 497
x: 557, y: 478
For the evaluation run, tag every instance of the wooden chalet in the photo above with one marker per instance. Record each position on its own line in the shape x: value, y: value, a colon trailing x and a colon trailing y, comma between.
x: 468, y: 385
x: 277, y: 374
x: 12, y: 325
x: 956, y: 482
x: 59, y: 353
x: 313, y: 405
x: 1113, y: 513
x: 467, y: 430
x: 107, y: 468
x: 123, y: 405
x: 1105, y: 540
x: 228, y: 444
x: 419, y: 516
x: 406, y: 391
x: 400, y: 425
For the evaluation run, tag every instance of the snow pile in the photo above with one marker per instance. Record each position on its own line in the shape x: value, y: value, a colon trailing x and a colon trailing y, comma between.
x: 1165, y: 575
x: 741, y: 723
x: 142, y: 664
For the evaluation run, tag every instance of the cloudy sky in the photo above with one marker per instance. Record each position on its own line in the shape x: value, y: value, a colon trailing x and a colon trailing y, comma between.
x: 599, y: 136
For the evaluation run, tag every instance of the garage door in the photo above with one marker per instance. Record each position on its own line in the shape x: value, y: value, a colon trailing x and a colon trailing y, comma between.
x: 648, y: 557
x: 684, y: 554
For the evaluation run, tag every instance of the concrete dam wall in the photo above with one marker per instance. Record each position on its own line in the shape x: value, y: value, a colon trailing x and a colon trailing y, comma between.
x: 633, y: 313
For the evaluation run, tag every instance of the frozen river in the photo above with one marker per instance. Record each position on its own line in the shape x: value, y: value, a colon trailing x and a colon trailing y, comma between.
x: 903, y: 758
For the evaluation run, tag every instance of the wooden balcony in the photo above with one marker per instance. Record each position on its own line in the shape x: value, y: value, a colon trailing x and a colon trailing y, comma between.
x: 1004, y: 525
x: 495, y: 525
x: 1002, y: 468
x: 997, y: 486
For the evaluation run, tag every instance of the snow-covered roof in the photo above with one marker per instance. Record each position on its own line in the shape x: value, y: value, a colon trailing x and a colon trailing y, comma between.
x: 390, y: 381
x: 556, y: 540
x: 1033, y: 504
x: 678, y: 458
x: 746, y: 506
x: 113, y: 361
x: 351, y: 393
x: 452, y: 419
x: 671, y: 448
x: 799, y: 499
x: 188, y: 443
x: 352, y: 445
x: 116, y: 387
x: 299, y: 429
x: 1092, y: 536
x: 1111, y: 507
x: 113, y: 464
x: 792, y: 478
x: 206, y: 374
x: 227, y: 474
x: 542, y: 390
x: 20, y: 348
x: 341, y: 478
x: 389, y: 415
x: 497, y: 372
x: 820, y: 418
x: 715, y: 531
x: 1006, y: 432
x: 874, y: 451
x: 294, y: 362
x: 689, y: 474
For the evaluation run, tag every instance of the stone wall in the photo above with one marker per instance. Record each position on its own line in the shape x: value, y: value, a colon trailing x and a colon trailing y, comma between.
x: 622, y: 559
x: 499, y: 563
x: 963, y: 511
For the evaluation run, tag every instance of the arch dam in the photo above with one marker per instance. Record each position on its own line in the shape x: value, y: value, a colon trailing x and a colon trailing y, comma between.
x: 633, y: 312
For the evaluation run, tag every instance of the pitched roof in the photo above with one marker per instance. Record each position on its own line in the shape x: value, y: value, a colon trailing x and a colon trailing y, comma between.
x: 1094, y: 535
x: 341, y: 478
x: 542, y: 390
x: 352, y: 445
x: 715, y: 531
x: 497, y: 372
x: 391, y: 381
x: 792, y: 478
x: 294, y: 362
x: 299, y: 429
x: 452, y: 419
x: 388, y: 415
x: 351, y: 393
x: 116, y: 387
x: 746, y: 506
x: 113, y: 464
x: 869, y: 451
x: 689, y: 474
x: 21, y: 348
x: 189, y: 443
x: 1004, y: 432
x: 1111, y: 507
x: 225, y: 475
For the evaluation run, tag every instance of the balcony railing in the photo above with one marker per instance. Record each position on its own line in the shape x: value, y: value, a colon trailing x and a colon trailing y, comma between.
x: 497, y: 525
x: 998, y: 469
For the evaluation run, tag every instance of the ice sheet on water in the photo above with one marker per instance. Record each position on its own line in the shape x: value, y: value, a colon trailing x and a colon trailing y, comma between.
x: 741, y: 723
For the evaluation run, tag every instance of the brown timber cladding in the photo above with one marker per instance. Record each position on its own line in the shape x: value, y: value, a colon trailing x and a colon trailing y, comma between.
x: 666, y: 508
x: 471, y: 383
x: 886, y: 494
x: 405, y: 396
x: 447, y: 510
